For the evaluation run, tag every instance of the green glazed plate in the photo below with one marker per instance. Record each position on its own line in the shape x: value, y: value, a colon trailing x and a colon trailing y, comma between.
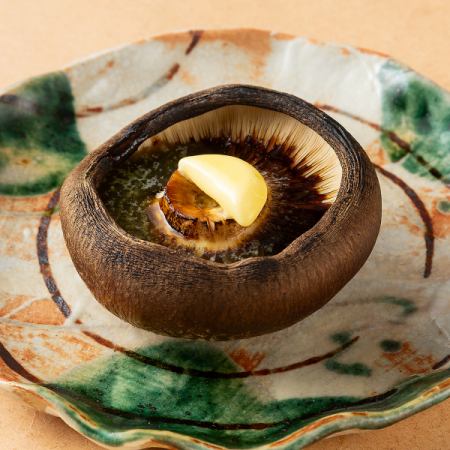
x: 378, y: 352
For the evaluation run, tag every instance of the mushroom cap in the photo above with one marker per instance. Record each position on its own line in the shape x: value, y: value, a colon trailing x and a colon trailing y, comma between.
x: 169, y: 292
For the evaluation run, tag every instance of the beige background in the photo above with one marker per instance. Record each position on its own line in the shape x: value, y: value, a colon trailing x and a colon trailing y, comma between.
x: 44, y: 35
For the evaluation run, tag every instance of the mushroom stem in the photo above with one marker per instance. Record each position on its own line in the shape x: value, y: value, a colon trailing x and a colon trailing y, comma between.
x: 237, y: 187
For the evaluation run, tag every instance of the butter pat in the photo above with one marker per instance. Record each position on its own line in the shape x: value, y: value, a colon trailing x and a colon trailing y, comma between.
x: 234, y: 184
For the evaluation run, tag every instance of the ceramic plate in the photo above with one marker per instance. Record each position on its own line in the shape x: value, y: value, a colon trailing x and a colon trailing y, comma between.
x: 378, y: 352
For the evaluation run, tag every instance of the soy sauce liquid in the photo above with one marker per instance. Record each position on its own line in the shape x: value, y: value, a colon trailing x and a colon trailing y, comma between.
x: 297, y: 205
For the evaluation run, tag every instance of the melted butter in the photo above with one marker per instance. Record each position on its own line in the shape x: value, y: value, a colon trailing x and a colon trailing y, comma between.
x: 233, y: 183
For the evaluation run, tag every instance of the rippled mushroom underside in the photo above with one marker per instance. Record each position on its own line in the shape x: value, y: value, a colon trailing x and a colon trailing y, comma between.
x: 302, y: 172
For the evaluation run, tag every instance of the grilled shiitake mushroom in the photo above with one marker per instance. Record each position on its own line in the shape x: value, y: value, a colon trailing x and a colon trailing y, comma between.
x: 164, y: 256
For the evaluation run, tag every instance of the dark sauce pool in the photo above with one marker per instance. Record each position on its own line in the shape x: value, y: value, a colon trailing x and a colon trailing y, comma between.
x: 296, y: 204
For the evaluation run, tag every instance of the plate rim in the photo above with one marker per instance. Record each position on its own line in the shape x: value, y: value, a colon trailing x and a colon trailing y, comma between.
x: 434, y: 394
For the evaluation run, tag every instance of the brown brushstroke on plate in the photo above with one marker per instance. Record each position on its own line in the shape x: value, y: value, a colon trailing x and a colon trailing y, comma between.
x: 69, y: 395
x: 172, y: 71
x: 214, y: 374
x: 442, y: 362
x: 86, y: 111
x: 196, y: 36
x: 408, y: 190
x: 390, y: 134
x: 14, y: 365
x: 423, y: 213
x: 42, y: 253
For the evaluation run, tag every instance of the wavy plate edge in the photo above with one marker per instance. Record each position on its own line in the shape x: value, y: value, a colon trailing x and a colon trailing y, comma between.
x: 319, y: 428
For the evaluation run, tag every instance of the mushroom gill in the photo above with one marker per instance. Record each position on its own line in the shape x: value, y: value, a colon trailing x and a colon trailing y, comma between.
x: 149, y: 198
